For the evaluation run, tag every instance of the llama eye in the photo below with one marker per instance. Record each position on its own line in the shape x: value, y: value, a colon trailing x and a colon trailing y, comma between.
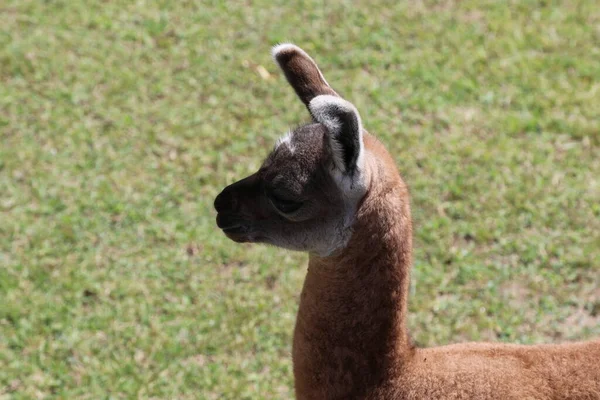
x: 285, y: 206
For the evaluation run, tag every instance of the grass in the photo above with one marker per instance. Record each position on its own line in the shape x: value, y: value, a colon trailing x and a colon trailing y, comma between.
x: 121, y: 121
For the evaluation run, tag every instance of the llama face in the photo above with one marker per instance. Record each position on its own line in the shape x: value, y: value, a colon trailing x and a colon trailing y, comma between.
x: 299, y: 199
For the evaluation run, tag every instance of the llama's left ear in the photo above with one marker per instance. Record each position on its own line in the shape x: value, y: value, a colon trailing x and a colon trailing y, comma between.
x: 345, y: 133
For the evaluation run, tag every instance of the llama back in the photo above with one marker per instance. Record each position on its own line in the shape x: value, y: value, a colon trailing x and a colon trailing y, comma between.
x: 502, y: 371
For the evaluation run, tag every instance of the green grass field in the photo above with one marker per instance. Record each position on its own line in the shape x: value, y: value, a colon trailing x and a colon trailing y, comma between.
x: 121, y: 121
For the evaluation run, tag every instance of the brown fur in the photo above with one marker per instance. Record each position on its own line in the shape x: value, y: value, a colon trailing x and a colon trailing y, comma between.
x: 351, y: 339
x: 308, y: 82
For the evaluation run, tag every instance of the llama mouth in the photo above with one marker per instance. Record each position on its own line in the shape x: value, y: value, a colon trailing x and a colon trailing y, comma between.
x: 233, y: 228
x: 231, y: 223
x: 238, y: 234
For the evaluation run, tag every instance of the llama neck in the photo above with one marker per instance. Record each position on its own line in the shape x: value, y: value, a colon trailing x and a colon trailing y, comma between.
x: 350, y: 332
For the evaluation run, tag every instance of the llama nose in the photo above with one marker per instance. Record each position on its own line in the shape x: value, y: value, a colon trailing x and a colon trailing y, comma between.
x: 225, y: 201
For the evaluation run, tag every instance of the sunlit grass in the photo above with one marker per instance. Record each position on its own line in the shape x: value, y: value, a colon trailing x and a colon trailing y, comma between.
x: 121, y: 121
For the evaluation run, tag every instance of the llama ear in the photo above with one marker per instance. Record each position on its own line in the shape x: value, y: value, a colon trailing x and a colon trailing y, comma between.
x: 345, y: 133
x: 301, y: 72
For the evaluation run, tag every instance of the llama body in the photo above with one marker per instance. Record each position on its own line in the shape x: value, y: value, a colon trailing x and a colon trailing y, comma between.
x: 333, y: 190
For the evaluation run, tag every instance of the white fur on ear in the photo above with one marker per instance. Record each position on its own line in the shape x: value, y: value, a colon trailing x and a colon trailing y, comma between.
x: 290, y: 48
x: 343, y: 122
x: 286, y: 47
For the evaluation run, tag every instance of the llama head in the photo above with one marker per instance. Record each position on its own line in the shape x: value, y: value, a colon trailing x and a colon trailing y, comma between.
x: 306, y: 193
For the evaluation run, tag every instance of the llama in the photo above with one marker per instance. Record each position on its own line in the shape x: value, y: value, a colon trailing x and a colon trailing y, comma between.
x: 331, y: 189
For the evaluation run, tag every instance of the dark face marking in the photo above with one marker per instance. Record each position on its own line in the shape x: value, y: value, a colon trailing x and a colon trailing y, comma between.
x: 297, y: 171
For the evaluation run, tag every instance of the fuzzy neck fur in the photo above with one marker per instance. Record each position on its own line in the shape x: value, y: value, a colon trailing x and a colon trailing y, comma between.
x: 351, y: 339
x: 350, y: 334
